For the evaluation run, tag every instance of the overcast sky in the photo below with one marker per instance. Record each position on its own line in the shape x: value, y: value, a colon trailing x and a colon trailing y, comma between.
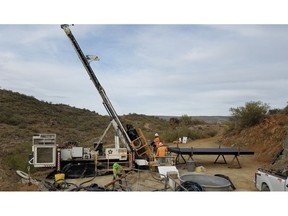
x: 149, y: 69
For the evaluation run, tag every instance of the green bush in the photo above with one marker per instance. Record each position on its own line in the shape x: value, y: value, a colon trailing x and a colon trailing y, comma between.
x: 17, y: 158
x: 193, y: 134
x: 185, y: 120
x: 211, y: 133
x: 249, y: 115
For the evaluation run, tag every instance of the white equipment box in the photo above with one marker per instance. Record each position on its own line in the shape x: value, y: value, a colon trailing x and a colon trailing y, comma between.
x: 66, y: 154
x: 77, y: 152
x: 116, y: 153
x: 164, y: 169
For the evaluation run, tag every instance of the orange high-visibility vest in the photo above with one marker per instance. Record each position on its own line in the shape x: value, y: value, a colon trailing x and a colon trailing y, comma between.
x: 161, y: 151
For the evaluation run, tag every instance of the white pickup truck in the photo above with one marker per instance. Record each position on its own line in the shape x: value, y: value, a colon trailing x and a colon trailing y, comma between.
x: 269, y: 180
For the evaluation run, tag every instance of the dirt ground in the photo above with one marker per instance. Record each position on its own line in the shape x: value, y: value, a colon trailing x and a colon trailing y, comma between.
x: 242, y: 178
x: 145, y: 180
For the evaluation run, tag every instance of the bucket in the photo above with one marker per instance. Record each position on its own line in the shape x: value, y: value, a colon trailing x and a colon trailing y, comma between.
x: 191, y: 166
x: 59, y: 178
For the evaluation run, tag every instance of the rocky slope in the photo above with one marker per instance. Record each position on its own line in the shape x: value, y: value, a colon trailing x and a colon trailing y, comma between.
x: 266, y: 138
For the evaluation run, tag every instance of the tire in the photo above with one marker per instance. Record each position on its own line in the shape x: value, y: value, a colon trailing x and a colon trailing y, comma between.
x: 265, y: 187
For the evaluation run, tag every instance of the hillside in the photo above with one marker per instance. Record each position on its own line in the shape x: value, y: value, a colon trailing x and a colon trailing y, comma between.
x: 265, y: 139
x: 23, y: 116
x: 208, y: 119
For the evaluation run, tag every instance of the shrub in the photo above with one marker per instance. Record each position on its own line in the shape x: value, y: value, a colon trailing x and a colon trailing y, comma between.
x: 285, y: 110
x: 249, y: 115
x: 185, y: 120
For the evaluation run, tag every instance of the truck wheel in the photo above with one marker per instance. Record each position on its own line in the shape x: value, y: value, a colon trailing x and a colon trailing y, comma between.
x: 265, y: 187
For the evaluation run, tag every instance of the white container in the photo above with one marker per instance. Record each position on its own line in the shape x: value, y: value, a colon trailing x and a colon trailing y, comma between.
x: 141, y: 162
x: 77, y: 152
x: 66, y: 154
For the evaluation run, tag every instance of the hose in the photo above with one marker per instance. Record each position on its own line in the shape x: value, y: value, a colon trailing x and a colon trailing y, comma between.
x: 22, y: 174
x: 190, y: 186
x: 59, y: 185
x: 26, y: 178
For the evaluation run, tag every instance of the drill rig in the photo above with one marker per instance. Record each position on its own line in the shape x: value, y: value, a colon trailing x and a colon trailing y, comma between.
x: 130, y: 144
x: 133, y: 140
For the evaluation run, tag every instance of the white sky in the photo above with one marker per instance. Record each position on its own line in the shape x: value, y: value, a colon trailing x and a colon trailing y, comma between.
x: 154, y: 69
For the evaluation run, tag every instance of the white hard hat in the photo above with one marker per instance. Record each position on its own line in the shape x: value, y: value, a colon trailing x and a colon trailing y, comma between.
x: 156, y: 134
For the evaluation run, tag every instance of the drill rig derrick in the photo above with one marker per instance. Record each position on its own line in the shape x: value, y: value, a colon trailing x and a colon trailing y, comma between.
x: 138, y: 142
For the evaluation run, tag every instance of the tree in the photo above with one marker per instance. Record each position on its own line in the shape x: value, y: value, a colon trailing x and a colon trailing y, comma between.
x: 249, y: 115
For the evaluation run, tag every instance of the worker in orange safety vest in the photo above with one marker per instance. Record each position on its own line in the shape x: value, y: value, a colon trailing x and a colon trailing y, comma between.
x: 161, y: 153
